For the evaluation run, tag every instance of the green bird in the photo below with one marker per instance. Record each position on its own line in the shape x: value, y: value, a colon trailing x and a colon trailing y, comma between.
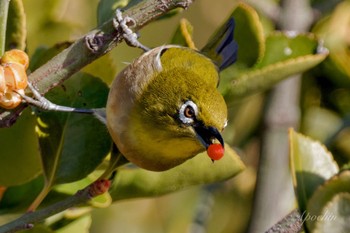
x: 164, y: 108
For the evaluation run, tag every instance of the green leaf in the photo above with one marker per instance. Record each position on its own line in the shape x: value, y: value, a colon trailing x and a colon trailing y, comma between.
x: 311, y: 166
x: 47, y: 22
x: 335, y: 216
x: 249, y: 35
x: 104, y: 68
x: 16, y: 32
x: 18, y: 198
x: 43, y: 54
x: 19, y: 154
x: 80, y: 225
x: 72, y: 145
x: 184, y: 34
x: 39, y: 228
x: 244, y: 118
x: 131, y: 182
x: 314, y: 123
x: 331, y: 29
x: 106, y: 9
x: 284, y: 56
x: 281, y: 46
x: 330, y: 197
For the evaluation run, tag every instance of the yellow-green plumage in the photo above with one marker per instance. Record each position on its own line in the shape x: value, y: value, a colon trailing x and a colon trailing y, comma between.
x: 144, y: 102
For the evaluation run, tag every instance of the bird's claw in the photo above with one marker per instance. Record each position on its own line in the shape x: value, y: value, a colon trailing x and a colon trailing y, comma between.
x: 130, y: 37
x: 41, y: 102
x: 37, y: 100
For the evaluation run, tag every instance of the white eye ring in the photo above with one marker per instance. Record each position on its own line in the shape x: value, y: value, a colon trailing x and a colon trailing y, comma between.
x: 188, y: 112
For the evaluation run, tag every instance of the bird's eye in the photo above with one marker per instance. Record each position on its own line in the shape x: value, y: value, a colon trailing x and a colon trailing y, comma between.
x: 188, y: 112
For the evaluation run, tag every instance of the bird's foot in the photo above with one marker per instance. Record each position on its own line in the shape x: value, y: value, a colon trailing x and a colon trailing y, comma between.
x: 130, y: 37
x: 41, y: 102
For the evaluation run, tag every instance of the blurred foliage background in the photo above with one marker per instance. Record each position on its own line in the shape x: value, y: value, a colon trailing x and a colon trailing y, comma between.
x: 226, y: 207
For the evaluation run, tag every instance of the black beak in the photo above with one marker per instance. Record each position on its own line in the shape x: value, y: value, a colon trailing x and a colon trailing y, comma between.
x: 207, y: 134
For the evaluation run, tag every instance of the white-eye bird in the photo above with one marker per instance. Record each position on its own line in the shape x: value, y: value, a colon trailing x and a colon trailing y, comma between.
x: 164, y: 108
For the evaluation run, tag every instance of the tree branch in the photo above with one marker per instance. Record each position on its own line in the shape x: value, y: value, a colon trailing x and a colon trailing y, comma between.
x: 27, y: 220
x: 291, y: 223
x: 89, y: 48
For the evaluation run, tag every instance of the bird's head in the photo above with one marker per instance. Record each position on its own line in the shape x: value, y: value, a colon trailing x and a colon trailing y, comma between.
x: 180, y: 111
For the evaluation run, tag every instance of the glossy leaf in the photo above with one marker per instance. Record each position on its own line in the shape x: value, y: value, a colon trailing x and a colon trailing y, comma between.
x: 249, y: 35
x: 311, y: 165
x: 184, y: 34
x: 284, y: 56
x: 332, y: 30
x: 132, y: 182
x: 18, y: 198
x: 335, y: 216
x: 19, y: 154
x: 73, y: 145
x: 281, y: 46
x: 16, y: 32
x: 327, y: 199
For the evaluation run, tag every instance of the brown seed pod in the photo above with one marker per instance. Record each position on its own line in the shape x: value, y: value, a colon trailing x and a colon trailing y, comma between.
x: 10, y: 99
x: 15, y: 76
x: 15, y: 56
x: 3, y: 87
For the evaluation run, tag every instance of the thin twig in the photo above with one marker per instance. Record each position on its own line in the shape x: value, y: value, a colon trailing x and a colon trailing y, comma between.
x: 98, y: 187
x: 89, y: 48
x: 27, y: 220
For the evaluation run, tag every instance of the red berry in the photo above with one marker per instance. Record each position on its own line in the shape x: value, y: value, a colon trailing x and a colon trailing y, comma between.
x: 215, y: 151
